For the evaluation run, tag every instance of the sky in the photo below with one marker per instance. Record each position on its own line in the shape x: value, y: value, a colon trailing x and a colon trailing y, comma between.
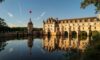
x: 16, y: 12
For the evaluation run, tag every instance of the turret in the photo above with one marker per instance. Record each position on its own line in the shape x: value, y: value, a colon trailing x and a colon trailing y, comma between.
x: 30, y: 27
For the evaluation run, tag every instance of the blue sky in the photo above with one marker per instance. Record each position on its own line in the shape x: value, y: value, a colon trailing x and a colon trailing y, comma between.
x: 16, y: 12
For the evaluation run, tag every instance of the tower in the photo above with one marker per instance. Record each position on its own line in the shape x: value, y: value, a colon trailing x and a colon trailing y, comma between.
x: 30, y: 27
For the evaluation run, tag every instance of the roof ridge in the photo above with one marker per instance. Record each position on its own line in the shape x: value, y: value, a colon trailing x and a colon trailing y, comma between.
x: 78, y: 18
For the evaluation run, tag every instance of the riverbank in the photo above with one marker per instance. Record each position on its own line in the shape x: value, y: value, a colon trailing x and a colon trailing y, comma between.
x: 19, y: 34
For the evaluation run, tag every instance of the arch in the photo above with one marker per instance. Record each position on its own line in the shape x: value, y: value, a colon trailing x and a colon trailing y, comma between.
x: 49, y: 33
x: 74, y: 34
x: 65, y: 34
x: 83, y: 35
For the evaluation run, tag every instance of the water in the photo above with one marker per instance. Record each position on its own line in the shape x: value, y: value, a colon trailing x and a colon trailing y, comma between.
x: 46, y: 48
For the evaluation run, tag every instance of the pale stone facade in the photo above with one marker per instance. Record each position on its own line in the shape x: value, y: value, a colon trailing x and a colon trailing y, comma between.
x: 58, y: 27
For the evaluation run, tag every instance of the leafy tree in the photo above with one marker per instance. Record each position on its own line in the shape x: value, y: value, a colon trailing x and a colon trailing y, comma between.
x: 92, y: 52
x: 2, y: 23
x: 1, y: 1
x: 3, y: 26
x: 86, y: 3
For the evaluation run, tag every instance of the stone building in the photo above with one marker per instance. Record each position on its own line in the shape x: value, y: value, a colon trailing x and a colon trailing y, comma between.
x: 30, y: 27
x: 67, y: 26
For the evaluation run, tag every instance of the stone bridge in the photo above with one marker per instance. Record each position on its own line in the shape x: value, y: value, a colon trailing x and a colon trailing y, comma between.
x: 68, y: 26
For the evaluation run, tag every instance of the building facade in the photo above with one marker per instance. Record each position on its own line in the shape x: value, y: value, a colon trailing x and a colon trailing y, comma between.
x: 60, y: 27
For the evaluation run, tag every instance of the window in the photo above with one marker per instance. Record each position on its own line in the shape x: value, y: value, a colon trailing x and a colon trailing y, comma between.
x: 91, y: 20
x: 94, y: 23
x: 71, y: 21
x: 83, y: 24
x: 59, y: 22
x: 94, y: 27
x: 75, y: 20
x: 51, y: 25
x: 80, y: 20
x: 63, y: 21
x: 73, y: 24
x: 51, y: 28
x: 66, y: 21
x: 65, y: 28
x: 83, y: 28
x: 85, y: 20
x: 73, y: 28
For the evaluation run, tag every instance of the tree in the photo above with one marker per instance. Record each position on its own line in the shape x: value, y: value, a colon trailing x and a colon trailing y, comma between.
x: 3, y: 26
x: 96, y: 3
x: 2, y: 23
x: 1, y: 1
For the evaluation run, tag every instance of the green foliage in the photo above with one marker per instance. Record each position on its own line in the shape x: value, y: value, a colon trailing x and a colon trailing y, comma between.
x: 19, y: 29
x: 2, y: 23
x: 95, y: 35
x: 3, y: 26
x: 92, y: 52
x: 1, y: 1
x: 86, y: 3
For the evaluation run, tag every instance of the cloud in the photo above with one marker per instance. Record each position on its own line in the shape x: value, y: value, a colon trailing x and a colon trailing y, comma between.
x: 41, y: 15
x: 10, y: 14
x: 18, y: 23
x: 22, y: 23
x: 12, y: 25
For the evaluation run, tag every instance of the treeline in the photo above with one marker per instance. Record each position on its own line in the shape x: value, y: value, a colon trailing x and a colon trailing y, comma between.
x: 23, y: 29
x: 18, y: 29
x: 5, y: 28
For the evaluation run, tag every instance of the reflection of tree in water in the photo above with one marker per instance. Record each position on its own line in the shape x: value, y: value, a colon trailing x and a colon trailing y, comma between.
x: 72, y: 54
x: 93, y: 51
x: 4, y: 39
x: 2, y: 44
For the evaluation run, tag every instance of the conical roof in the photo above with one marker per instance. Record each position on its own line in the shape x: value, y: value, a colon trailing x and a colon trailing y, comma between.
x: 30, y: 22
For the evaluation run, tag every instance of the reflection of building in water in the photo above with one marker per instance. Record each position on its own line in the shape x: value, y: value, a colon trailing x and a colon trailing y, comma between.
x: 64, y: 43
x: 49, y: 43
x: 84, y: 43
x: 30, y: 43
